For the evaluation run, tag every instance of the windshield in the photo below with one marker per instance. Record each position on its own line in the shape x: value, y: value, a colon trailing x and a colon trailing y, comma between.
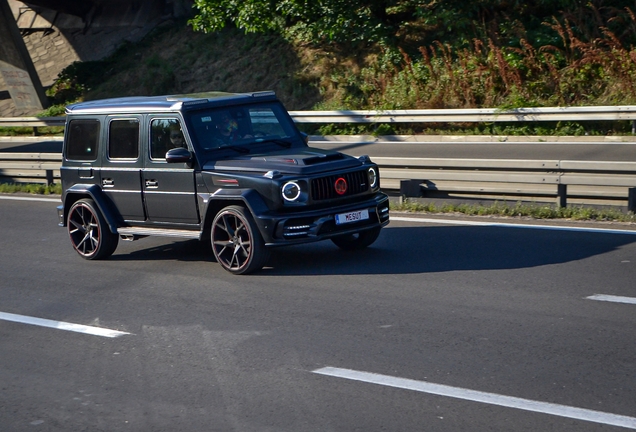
x: 243, y: 129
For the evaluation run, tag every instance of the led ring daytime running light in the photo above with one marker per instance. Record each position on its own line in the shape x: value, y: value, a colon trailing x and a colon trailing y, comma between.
x: 288, y: 188
x: 373, y: 177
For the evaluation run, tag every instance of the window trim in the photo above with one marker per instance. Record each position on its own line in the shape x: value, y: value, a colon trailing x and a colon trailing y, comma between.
x: 67, y: 138
x: 111, y: 120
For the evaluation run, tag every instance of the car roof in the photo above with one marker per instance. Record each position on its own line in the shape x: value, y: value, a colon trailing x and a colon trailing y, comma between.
x: 170, y: 103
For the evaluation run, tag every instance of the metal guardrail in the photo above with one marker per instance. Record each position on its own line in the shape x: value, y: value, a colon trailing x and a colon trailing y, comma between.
x: 557, y: 181
x: 30, y: 167
x: 612, y: 183
x: 32, y: 121
x: 476, y: 115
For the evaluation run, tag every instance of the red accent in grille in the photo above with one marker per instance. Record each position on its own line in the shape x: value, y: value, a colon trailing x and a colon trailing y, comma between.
x: 340, y: 186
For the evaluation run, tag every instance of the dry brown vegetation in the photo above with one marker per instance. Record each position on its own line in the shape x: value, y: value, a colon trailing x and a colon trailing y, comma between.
x: 573, y: 70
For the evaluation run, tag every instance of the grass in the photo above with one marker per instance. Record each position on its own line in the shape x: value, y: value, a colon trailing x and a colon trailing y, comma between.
x: 28, y: 131
x: 31, y: 188
x: 518, y: 210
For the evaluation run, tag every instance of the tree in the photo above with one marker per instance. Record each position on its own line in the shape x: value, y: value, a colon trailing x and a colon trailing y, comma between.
x: 411, y: 23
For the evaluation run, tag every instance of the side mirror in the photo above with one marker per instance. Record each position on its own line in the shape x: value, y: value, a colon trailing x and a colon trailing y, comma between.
x: 178, y: 155
x: 305, y: 137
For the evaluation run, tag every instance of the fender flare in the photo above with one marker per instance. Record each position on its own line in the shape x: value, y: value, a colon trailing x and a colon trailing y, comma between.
x: 79, y: 191
x: 252, y: 200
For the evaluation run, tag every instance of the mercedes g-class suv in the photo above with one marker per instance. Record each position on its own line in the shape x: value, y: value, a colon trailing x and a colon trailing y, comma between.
x: 231, y: 169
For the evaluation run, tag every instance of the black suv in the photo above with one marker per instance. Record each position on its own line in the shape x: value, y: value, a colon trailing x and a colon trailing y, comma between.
x: 232, y: 168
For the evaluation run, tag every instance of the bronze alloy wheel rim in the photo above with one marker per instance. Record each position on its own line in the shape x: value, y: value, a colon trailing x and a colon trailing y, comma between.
x: 231, y: 241
x: 83, y: 228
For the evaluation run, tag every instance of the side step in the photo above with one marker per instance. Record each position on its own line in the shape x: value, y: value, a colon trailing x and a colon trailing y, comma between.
x: 161, y: 232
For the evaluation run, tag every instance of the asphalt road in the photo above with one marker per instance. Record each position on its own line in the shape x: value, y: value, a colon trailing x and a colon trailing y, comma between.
x: 573, y: 150
x: 437, y: 327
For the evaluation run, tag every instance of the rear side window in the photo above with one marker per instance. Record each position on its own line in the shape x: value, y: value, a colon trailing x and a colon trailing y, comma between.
x: 123, y: 139
x: 82, y: 140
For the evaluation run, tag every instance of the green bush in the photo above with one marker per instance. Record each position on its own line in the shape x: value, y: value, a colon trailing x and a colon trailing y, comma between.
x: 517, y: 210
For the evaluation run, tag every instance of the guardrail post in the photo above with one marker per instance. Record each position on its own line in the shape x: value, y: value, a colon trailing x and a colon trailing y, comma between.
x: 49, y: 177
x: 410, y: 188
x: 631, y: 200
x: 562, y: 195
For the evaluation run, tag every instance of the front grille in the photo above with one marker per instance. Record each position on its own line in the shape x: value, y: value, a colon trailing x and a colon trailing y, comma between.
x: 324, y: 188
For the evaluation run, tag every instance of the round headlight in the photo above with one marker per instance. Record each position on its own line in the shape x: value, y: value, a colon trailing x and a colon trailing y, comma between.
x: 373, y: 177
x: 291, y: 191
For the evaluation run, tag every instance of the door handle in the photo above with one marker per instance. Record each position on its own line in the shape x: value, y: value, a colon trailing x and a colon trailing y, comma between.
x: 152, y: 183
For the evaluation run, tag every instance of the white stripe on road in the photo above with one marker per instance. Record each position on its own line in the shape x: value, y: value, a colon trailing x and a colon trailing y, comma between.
x: 611, y: 298
x: 478, y: 396
x: 60, y: 325
x: 22, y: 198
x: 510, y: 225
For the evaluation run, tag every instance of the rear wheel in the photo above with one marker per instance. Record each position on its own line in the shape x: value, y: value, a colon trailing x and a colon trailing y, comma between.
x: 236, y: 241
x: 89, y: 232
x: 358, y: 240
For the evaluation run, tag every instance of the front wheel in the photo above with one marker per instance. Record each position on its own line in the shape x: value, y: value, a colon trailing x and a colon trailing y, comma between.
x: 89, y: 232
x: 358, y: 240
x: 236, y: 241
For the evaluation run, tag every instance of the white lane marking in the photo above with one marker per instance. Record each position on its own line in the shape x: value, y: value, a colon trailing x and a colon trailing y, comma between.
x: 21, y: 198
x: 510, y: 225
x: 60, y: 325
x: 478, y: 396
x: 611, y: 298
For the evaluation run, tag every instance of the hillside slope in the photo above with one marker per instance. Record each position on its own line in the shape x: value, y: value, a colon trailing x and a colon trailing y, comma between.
x: 175, y: 59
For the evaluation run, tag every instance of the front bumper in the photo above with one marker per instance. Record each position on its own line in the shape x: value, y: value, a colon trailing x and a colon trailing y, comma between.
x: 315, y: 225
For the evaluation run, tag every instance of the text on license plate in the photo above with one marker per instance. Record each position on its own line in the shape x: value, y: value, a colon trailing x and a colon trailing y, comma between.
x: 353, y: 216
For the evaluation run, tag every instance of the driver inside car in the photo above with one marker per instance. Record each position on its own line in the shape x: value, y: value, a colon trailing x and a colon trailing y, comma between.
x: 227, y: 128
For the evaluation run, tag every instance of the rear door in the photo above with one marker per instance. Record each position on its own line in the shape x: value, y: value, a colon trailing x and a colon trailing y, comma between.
x: 169, y: 189
x: 122, y: 165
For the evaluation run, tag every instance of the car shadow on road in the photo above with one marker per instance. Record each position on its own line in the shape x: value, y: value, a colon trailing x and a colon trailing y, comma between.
x: 447, y: 248
x: 405, y: 250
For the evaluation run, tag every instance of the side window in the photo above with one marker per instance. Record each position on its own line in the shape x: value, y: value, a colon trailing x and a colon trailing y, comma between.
x: 165, y: 134
x: 123, y: 139
x: 82, y: 140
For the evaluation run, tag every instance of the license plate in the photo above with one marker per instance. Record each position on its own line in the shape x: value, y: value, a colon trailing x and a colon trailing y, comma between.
x: 353, y: 216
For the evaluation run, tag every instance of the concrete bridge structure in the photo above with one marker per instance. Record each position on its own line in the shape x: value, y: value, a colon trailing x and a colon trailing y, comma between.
x: 39, y: 38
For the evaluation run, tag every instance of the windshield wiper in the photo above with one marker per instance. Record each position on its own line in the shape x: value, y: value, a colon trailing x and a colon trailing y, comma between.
x: 239, y: 149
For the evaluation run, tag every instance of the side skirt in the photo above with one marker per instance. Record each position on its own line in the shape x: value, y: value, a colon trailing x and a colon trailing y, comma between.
x: 161, y: 232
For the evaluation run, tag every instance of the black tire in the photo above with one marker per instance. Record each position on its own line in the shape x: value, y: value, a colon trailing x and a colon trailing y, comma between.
x: 90, y: 236
x: 358, y: 240
x: 236, y: 241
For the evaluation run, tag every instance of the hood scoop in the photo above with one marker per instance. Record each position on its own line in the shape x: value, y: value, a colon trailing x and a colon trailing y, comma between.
x: 322, y: 158
x: 292, y: 161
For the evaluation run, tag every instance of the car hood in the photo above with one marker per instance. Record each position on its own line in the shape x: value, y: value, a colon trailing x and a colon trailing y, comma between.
x: 306, y: 160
